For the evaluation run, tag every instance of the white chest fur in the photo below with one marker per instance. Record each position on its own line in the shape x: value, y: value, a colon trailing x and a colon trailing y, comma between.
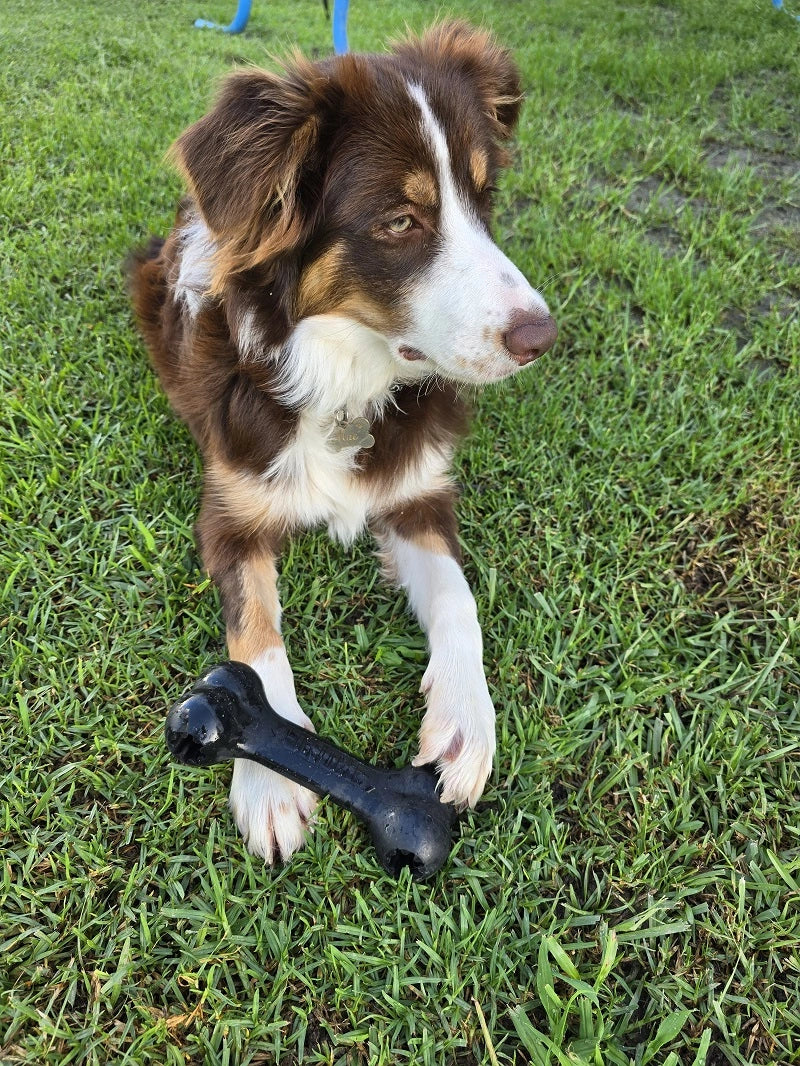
x: 313, y: 484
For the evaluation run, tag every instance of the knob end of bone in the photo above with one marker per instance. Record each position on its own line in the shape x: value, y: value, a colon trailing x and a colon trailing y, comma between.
x: 204, y: 726
x: 416, y: 830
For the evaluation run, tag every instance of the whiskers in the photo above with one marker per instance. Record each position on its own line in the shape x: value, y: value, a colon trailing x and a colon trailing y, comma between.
x: 467, y: 390
x: 550, y: 280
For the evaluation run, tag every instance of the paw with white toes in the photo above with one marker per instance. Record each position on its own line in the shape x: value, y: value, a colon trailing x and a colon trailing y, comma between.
x: 457, y: 735
x: 272, y: 812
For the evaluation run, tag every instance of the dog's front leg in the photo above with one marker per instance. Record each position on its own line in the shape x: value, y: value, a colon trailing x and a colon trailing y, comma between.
x: 420, y: 552
x: 271, y: 812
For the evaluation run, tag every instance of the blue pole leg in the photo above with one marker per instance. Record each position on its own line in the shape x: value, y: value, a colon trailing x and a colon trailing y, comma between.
x: 778, y: 5
x: 239, y: 19
x: 340, y: 26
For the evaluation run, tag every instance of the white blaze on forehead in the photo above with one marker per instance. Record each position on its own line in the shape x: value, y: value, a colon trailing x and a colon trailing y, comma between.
x: 464, y: 303
x: 452, y: 206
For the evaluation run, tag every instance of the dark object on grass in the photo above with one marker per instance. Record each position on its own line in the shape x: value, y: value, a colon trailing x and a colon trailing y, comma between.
x: 226, y: 716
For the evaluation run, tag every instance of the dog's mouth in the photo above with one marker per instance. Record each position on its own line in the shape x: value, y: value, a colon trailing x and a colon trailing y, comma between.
x: 411, y: 355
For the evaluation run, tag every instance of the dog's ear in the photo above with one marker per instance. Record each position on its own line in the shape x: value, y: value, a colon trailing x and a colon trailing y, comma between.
x: 476, y: 55
x: 245, y: 162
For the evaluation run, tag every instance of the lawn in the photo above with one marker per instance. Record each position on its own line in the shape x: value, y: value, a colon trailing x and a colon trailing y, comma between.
x: 628, y: 890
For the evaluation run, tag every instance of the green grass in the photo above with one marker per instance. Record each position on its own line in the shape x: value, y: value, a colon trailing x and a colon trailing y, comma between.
x: 629, y: 890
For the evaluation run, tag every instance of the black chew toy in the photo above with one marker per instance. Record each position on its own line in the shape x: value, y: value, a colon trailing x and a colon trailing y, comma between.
x: 226, y: 716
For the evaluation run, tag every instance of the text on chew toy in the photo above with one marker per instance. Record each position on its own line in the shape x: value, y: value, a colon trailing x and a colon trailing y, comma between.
x: 332, y: 760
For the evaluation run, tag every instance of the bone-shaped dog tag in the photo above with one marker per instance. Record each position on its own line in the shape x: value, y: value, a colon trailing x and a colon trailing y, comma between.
x: 351, y: 434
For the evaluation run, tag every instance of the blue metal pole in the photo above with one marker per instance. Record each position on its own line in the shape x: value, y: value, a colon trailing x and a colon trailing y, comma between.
x: 778, y: 5
x: 239, y: 19
x: 340, y: 7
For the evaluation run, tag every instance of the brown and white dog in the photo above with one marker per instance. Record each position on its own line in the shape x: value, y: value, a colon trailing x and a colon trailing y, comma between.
x: 329, y: 287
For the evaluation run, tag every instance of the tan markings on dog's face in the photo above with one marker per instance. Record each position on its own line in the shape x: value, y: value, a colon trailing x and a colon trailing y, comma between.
x: 384, y: 319
x: 331, y: 285
x: 479, y: 168
x: 319, y: 283
x: 420, y: 187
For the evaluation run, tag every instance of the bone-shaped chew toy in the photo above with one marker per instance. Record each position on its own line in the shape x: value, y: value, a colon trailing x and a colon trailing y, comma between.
x: 226, y: 716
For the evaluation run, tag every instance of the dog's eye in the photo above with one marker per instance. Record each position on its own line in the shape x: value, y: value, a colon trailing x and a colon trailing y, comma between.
x: 401, y: 224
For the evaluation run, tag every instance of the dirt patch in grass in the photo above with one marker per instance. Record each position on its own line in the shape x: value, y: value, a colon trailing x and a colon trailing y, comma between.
x: 777, y: 215
x: 744, y: 558
x: 667, y: 239
x: 779, y: 302
x: 464, y: 1058
x: 654, y: 193
x: 658, y: 204
x: 773, y: 93
x: 778, y: 223
x: 770, y: 166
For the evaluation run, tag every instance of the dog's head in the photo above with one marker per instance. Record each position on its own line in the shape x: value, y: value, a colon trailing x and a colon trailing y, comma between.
x: 361, y: 187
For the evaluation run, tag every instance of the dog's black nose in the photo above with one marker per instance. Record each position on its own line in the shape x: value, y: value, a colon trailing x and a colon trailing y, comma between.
x: 529, y: 336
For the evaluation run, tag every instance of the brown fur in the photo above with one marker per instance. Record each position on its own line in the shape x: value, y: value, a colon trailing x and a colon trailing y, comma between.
x: 429, y: 521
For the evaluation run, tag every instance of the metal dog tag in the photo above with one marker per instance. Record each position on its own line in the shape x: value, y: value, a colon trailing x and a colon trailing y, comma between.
x: 350, y: 434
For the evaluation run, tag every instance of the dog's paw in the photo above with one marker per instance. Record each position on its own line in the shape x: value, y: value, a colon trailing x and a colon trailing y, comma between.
x: 457, y: 734
x: 272, y: 813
